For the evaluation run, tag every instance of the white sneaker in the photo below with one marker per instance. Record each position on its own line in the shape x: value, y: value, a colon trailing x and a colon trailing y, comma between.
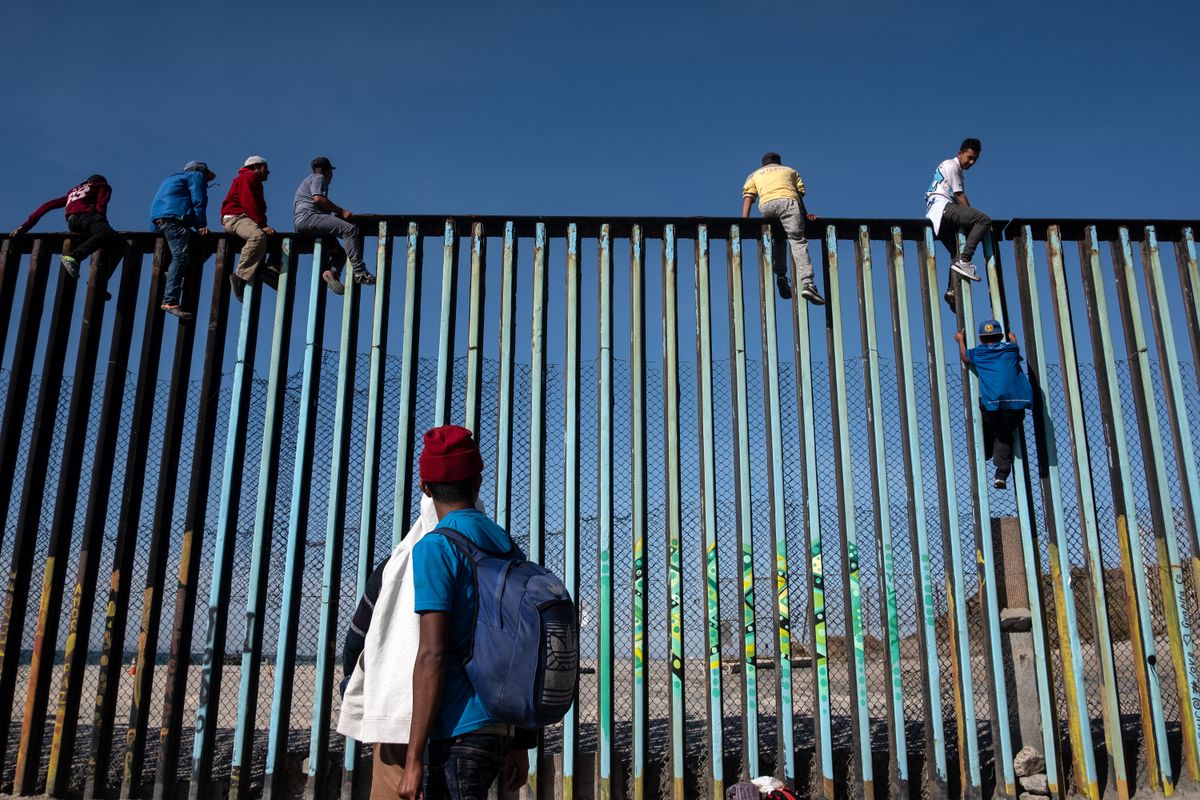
x: 965, y: 268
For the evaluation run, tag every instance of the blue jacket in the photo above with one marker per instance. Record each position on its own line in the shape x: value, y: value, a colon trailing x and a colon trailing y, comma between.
x: 184, y: 196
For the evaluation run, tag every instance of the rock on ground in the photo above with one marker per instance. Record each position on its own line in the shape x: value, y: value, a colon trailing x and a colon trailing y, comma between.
x: 1029, y: 762
x: 1035, y: 784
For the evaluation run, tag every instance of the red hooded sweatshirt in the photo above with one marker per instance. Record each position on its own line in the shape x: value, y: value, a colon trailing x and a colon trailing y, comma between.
x: 246, y: 197
x: 89, y: 197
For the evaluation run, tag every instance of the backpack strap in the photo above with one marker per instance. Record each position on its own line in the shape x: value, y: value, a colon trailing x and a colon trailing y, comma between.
x: 475, y: 554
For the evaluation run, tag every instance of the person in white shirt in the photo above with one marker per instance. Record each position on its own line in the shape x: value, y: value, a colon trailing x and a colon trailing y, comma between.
x: 947, y: 207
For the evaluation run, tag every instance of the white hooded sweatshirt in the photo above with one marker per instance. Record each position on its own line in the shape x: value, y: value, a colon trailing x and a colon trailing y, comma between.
x: 378, y: 703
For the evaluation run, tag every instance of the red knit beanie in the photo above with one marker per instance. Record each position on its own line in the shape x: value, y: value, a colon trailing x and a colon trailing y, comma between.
x: 449, y: 455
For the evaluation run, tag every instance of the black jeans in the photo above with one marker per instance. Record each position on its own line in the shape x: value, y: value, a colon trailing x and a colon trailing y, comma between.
x: 100, y: 236
x: 465, y: 767
x: 955, y: 218
x: 998, y: 430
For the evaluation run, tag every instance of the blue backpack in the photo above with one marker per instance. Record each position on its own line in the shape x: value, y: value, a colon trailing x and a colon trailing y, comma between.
x: 524, y: 656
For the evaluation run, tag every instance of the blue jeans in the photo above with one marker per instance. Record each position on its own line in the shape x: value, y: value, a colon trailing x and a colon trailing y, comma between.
x: 465, y: 767
x: 178, y: 237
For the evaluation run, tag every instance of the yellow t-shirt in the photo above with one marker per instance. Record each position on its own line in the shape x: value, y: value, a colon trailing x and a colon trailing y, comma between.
x: 774, y: 182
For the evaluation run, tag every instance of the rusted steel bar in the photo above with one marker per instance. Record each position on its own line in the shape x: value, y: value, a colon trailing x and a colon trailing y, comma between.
x: 1137, y: 597
x: 708, y: 511
x: 402, y: 510
x: 571, y: 503
x: 367, y: 526
x: 860, y: 721
x: 994, y: 663
x: 445, y: 367
x: 934, y: 775
x: 478, y: 295
x: 83, y: 598
x: 116, y: 615
x: 537, y: 437
x: 160, y: 543
x: 822, y: 780
x: 1073, y: 394
x: 508, y: 343
x: 604, y: 276
x: 261, y: 545
x: 964, y: 700
x: 1078, y: 720
x: 672, y: 521
x: 785, y: 745
x: 335, y: 532
x: 191, y: 548
x: 212, y: 668
x: 1030, y: 556
x: 639, y: 480
x: 897, y: 740
x: 276, y: 780
x: 25, y: 534
x: 62, y: 528
x: 742, y: 496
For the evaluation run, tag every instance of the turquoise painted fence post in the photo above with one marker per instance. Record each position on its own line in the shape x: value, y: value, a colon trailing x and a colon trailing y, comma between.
x: 708, y: 515
x: 639, y: 511
x: 406, y: 433
x: 537, y: 437
x: 1137, y: 596
x: 897, y: 739
x: 785, y: 740
x: 1078, y: 720
x: 935, y: 777
x: 571, y: 476
x: 605, y: 496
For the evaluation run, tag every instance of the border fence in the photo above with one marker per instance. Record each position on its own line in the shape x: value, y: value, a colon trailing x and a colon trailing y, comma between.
x: 776, y: 519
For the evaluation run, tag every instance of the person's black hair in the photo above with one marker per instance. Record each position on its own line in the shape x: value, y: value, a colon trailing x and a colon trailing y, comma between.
x: 770, y: 158
x: 970, y: 144
x: 97, y: 178
x: 452, y: 491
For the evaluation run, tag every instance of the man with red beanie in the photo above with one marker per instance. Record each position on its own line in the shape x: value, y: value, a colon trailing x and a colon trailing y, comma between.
x: 455, y: 750
x: 244, y: 214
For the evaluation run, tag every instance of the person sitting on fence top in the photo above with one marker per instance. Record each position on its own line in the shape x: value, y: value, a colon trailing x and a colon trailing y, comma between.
x: 244, y: 214
x: 467, y: 749
x: 313, y: 212
x: 947, y: 207
x: 180, y: 207
x: 1004, y: 392
x: 780, y: 193
x: 87, y: 213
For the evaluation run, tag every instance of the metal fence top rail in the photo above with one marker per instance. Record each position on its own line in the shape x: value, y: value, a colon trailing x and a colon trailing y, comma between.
x: 718, y: 228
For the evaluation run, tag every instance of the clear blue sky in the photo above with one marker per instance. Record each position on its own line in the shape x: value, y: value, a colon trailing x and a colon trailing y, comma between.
x: 1085, y: 109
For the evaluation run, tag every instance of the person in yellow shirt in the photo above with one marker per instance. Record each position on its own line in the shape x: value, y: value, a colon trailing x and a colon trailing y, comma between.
x: 780, y: 193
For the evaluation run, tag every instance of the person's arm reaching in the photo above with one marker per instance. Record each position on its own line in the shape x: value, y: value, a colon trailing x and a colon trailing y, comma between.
x: 103, y: 194
x: 199, y: 192
x: 961, y: 199
x: 961, y: 338
x: 325, y: 204
x: 747, y: 203
x: 49, y: 205
x: 433, y: 656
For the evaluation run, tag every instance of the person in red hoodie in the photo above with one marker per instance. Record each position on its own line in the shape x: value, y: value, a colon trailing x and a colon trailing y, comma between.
x: 87, y: 214
x: 244, y: 214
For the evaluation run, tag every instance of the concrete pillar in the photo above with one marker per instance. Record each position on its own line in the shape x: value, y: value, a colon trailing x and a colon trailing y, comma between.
x: 1017, y: 640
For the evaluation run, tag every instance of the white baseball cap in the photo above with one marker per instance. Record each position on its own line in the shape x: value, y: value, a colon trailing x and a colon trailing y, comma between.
x: 252, y: 160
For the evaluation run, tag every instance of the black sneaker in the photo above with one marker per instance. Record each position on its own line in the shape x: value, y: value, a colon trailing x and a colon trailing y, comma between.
x: 809, y: 292
x: 785, y: 288
x: 335, y: 285
x: 364, y: 278
x: 270, y: 276
x: 951, y: 300
x: 1000, y: 483
x: 238, y: 285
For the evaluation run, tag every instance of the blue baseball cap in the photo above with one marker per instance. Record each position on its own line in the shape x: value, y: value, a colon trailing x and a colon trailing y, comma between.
x: 990, y: 327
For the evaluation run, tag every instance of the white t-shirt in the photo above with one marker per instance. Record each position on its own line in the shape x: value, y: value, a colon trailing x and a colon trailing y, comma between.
x: 947, y: 181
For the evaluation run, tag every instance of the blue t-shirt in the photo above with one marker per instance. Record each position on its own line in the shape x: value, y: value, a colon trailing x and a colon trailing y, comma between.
x: 443, y: 581
x: 1003, y: 385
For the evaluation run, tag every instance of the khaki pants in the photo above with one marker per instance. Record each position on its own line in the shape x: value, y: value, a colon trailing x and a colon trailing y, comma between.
x: 386, y: 770
x: 255, y: 248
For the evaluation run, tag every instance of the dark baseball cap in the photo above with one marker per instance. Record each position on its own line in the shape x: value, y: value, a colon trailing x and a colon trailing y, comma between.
x: 321, y: 162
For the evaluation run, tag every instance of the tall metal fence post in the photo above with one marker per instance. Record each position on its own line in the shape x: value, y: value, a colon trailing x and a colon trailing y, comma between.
x: 673, y: 520
x: 639, y: 479
x: 604, y: 560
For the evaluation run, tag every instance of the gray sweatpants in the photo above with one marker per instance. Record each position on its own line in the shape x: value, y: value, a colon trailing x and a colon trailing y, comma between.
x: 347, y: 232
x: 791, y: 215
